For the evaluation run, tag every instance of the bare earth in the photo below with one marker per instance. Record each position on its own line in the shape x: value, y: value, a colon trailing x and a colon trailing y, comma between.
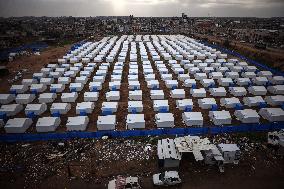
x: 92, y: 163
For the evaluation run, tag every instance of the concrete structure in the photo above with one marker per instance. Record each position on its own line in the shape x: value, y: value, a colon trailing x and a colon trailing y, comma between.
x: 168, y: 154
x: 230, y: 152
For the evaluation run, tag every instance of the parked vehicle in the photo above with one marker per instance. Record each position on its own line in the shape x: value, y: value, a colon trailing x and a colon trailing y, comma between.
x: 166, y: 178
x: 124, y: 183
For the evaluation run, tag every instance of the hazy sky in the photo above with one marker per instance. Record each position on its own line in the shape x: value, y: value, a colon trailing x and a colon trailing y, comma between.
x: 254, y: 8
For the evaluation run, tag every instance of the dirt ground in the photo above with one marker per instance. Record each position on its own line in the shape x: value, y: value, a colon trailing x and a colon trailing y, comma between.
x: 92, y: 163
x: 31, y: 64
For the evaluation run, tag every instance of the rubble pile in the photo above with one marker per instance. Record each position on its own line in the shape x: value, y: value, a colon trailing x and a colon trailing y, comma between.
x: 244, y: 143
x: 37, y: 161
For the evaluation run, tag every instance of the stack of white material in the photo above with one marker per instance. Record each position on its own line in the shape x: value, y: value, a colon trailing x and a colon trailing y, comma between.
x: 215, y: 75
x: 19, y: 88
x: 200, y: 76
x: 157, y: 94
x: 46, y: 81
x: 220, y: 117
x: 134, y: 85
x: 29, y: 81
x: 272, y: 114
x: 220, y: 91
x: 171, y: 83
x: 18, y: 125
x: 36, y: 109
x: 64, y: 80
x: 39, y: 88
x: 207, y: 82
x: 57, y: 88
x: 25, y: 98
x: 82, y: 79
x: 243, y: 81
x: 47, y: 97
x: 200, y: 93
x: 225, y: 82
x: 132, y: 78
x: 277, y: 80
x: 275, y: 100
x: 135, y: 106
x: 178, y: 93
x: 184, y: 103
x: 276, y: 89
x: 69, y: 97
x: 99, y: 78
x: 164, y: 120
x: 135, y: 95
x: 229, y: 102
x: 95, y: 86
x: 110, y: 106
x: 207, y: 103
x: 6, y: 98
x: 78, y: 123
x: 73, y: 87
x: 47, y: 124
x: 86, y: 107
x: 232, y: 75
x: 257, y: 90
x: 11, y: 109
x: 114, y: 85
x: 260, y: 80
x: 55, y: 74
x: 61, y: 108
x: 153, y: 84
x: 106, y: 122
x: 253, y: 101
x: 247, y: 116
x: 192, y: 118
x: 113, y: 96
x: 238, y: 91
x: 91, y: 96
x: 189, y: 82
x: 161, y: 104
x: 135, y: 121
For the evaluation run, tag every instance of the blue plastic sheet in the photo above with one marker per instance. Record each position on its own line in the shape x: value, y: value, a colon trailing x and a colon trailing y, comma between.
x: 136, y: 133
